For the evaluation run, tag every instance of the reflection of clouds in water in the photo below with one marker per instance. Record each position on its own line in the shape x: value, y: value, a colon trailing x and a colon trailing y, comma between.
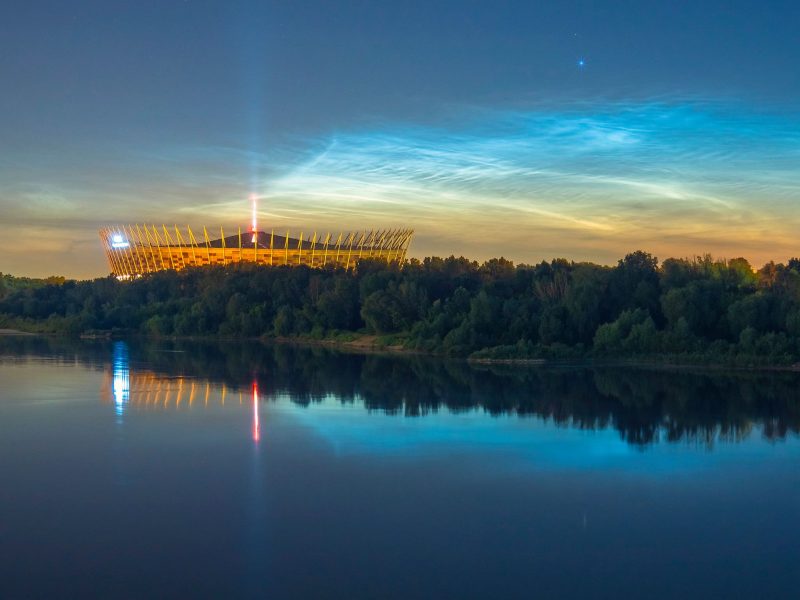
x: 509, y: 442
x: 637, y: 408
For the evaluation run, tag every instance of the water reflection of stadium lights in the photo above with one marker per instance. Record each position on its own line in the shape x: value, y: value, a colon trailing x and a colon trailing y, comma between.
x: 117, y: 241
x: 121, y: 386
x: 256, y: 425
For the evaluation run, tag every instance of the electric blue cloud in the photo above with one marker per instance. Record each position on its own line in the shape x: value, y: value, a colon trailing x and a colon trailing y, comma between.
x: 586, y: 182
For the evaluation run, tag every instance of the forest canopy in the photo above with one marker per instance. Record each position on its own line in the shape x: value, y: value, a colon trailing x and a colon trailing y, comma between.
x: 703, y: 308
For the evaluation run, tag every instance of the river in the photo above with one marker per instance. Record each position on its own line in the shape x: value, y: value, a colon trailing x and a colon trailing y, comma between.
x: 188, y: 469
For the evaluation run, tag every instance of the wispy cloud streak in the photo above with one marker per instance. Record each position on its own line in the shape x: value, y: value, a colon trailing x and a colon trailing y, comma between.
x: 583, y: 182
x: 601, y: 180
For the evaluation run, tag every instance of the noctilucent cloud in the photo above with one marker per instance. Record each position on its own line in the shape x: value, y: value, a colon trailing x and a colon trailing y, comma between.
x: 570, y: 129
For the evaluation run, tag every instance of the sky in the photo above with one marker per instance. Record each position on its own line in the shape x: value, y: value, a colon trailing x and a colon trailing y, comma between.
x: 530, y: 130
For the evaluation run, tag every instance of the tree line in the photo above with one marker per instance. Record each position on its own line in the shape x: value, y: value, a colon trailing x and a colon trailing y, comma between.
x: 700, y: 308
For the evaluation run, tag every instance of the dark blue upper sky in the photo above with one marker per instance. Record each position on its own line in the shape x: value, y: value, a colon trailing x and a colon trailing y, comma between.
x: 163, y: 68
x: 95, y: 93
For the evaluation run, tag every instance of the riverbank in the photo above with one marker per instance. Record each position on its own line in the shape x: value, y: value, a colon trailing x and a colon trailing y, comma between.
x: 373, y: 344
x: 355, y: 342
x: 365, y: 343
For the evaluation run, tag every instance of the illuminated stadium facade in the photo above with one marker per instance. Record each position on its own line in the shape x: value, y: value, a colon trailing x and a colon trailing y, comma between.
x: 134, y: 250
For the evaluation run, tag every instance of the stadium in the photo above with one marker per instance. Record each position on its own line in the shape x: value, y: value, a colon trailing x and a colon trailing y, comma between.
x: 134, y: 250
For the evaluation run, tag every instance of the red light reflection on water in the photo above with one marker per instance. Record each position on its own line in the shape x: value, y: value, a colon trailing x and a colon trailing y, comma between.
x: 256, y: 426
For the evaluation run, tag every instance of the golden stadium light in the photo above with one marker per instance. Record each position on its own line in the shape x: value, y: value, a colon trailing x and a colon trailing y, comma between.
x: 134, y: 250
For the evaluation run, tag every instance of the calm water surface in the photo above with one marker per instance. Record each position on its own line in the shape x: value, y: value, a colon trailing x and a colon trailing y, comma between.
x: 240, y: 470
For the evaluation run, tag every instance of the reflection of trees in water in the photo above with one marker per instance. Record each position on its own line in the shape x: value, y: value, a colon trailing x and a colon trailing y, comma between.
x: 644, y: 405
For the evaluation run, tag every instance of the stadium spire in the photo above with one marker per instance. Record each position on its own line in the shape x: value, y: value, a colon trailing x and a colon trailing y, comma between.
x: 254, y: 202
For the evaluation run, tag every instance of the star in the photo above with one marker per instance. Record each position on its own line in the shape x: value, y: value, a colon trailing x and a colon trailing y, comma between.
x: 581, y: 63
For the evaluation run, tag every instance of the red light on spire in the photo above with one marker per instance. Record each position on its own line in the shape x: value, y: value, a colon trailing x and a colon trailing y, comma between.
x: 254, y: 228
